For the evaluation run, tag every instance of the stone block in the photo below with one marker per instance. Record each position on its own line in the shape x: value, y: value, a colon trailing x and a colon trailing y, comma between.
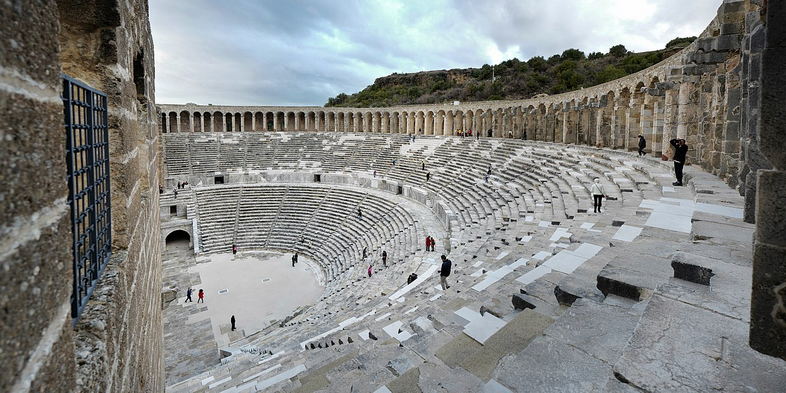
x: 571, y: 288
x: 771, y: 207
x: 693, y: 268
x: 521, y: 302
x: 768, y: 313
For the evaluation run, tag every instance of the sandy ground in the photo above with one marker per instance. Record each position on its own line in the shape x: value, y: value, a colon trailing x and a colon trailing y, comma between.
x: 255, y: 287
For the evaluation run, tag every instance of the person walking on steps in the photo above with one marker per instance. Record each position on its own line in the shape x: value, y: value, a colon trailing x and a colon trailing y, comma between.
x: 234, y: 249
x: 384, y: 258
x: 444, y: 272
x: 294, y: 259
x: 370, y: 271
x: 428, y: 176
x: 201, y: 296
x: 412, y: 277
x: 232, y: 321
x: 598, y: 193
x: 680, y: 151
x: 433, y: 244
x: 189, y: 292
x: 642, y: 145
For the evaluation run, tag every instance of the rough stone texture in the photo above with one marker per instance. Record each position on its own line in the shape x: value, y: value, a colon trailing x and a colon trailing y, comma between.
x: 768, y: 309
x: 116, y: 345
x: 690, y: 362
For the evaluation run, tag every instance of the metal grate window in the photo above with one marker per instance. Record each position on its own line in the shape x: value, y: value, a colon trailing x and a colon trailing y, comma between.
x: 87, y: 158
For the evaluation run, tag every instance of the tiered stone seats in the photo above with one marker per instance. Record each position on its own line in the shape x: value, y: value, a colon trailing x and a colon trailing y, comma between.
x: 527, y: 257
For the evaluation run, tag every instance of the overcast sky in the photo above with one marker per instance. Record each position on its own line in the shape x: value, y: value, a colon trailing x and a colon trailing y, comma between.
x: 292, y: 52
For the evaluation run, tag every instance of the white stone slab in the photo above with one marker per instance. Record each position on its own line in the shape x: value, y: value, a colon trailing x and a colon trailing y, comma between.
x: 587, y: 225
x: 265, y: 371
x: 493, y: 386
x: 363, y: 334
x: 627, y: 233
x: 478, y: 263
x: 519, y: 262
x: 468, y: 314
x: 381, y: 317
x: 271, y: 357
x: 671, y: 222
x: 435, y: 297
x: 668, y: 189
x: 544, y: 224
x: 411, y: 310
x: 559, y: 245
x: 525, y: 239
x: 421, y: 278
x: 502, y: 255
x: 281, y: 377
x: 565, y: 261
x: 541, y: 255
x: 529, y: 218
x: 208, y: 380
x: 383, y: 389
x: 534, y: 274
x: 481, y: 329
x: 478, y: 273
x: 727, y: 211
x: 587, y: 250
x: 219, y: 382
x: 559, y: 233
x: 392, y: 331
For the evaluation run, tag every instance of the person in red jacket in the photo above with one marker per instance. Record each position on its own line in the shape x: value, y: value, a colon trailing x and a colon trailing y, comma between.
x: 201, y: 296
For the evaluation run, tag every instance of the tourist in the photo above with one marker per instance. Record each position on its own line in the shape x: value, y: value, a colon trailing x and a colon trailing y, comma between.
x: 423, y: 165
x: 375, y: 173
x: 444, y: 272
x: 428, y: 176
x: 188, y: 295
x: 160, y: 190
x: 370, y: 271
x: 642, y: 145
x: 364, y: 253
x: 360, y: 214
x: 234, y: 249
x: 174, y: 191
x: 490, y: 133
x: 294, y: 259
x: 428, y: 242
x: 680, y: 151
x: 412, y: 277
x: 232, y: 321
x: 510, y: 134
x: 178, y: 185
x: 597, y: 194
x: 201, y: 296
x: 433, y: 244
x: 384, y: 258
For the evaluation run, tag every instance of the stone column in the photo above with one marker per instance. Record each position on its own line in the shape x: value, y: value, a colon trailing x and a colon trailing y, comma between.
x: 768, y: 298
x: 645, y: 121
x: 670, y: 111
x: 632, y: 122
x: 164, y: 125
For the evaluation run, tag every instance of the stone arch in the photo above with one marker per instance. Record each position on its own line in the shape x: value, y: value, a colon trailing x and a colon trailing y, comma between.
x: 439, y: 123
x: 207, y: 120
x: 173, y: 125
x: 330, y: 121
x: 467, y: 123
x: 178, y: 236
x: 269, y: 124
x: 394, y: 126
x: 218, y: 121
x: 259, y: 121
x: 248, y: 121
x: 198, y: 122
x: 300, y: 121
x: 340, y: 119
x: 185, y: 121
x: 289, y: 121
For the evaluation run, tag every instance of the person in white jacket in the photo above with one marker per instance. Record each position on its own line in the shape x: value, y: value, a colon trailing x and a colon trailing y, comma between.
x: 598, y: 193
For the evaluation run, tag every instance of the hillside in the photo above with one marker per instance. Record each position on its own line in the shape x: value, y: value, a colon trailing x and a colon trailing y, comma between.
x: 512, y: 79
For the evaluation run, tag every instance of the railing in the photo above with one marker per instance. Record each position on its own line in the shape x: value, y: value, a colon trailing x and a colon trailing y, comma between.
x: 87, y: 157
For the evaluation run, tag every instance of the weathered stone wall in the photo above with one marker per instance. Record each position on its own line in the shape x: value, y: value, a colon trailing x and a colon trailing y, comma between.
x: 764, y: 171
x: 116, y: 346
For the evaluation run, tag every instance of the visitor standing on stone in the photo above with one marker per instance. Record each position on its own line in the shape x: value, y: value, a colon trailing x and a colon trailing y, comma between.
x: 175, y: 192
x: 412, y: 277
x: 370, y: 270
x: 428, y: 242
x: 642, y: 145
x: 365, y: 254
x: 423, y: 164
x: 444, y: 272
x: 201, y: 296
x: 234, y: 249
x: 433, y: 244
x: 188, y: 295
x: 232, y: 321
x: 680, y: 152
x: 294, y: 259
x: 428, y: 176
x: 360, y: 214
x: 384, y: 258
x: 598, y: 193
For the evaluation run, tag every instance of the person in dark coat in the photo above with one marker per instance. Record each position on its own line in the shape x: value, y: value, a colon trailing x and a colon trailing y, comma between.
x: 234, y: 249
x: 384, y: 258
x: 232, y: 321
x: 294, y: 259
x: 188, y: 295
x: 680, y: 153
x: 642, y: 145
x: 412, y: 277
x: 444, y: 272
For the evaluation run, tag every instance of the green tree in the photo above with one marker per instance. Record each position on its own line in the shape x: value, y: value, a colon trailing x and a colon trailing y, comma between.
x: 618, y: 50
x: 573, y: 54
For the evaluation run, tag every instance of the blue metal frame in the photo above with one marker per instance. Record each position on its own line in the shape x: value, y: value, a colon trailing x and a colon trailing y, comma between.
x: 87, y: 157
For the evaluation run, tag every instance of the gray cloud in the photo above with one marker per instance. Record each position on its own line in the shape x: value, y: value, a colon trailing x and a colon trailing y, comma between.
x: 302, y: 52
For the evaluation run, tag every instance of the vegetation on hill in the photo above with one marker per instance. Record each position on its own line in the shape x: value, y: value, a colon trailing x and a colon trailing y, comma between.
x: 511, y: 79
